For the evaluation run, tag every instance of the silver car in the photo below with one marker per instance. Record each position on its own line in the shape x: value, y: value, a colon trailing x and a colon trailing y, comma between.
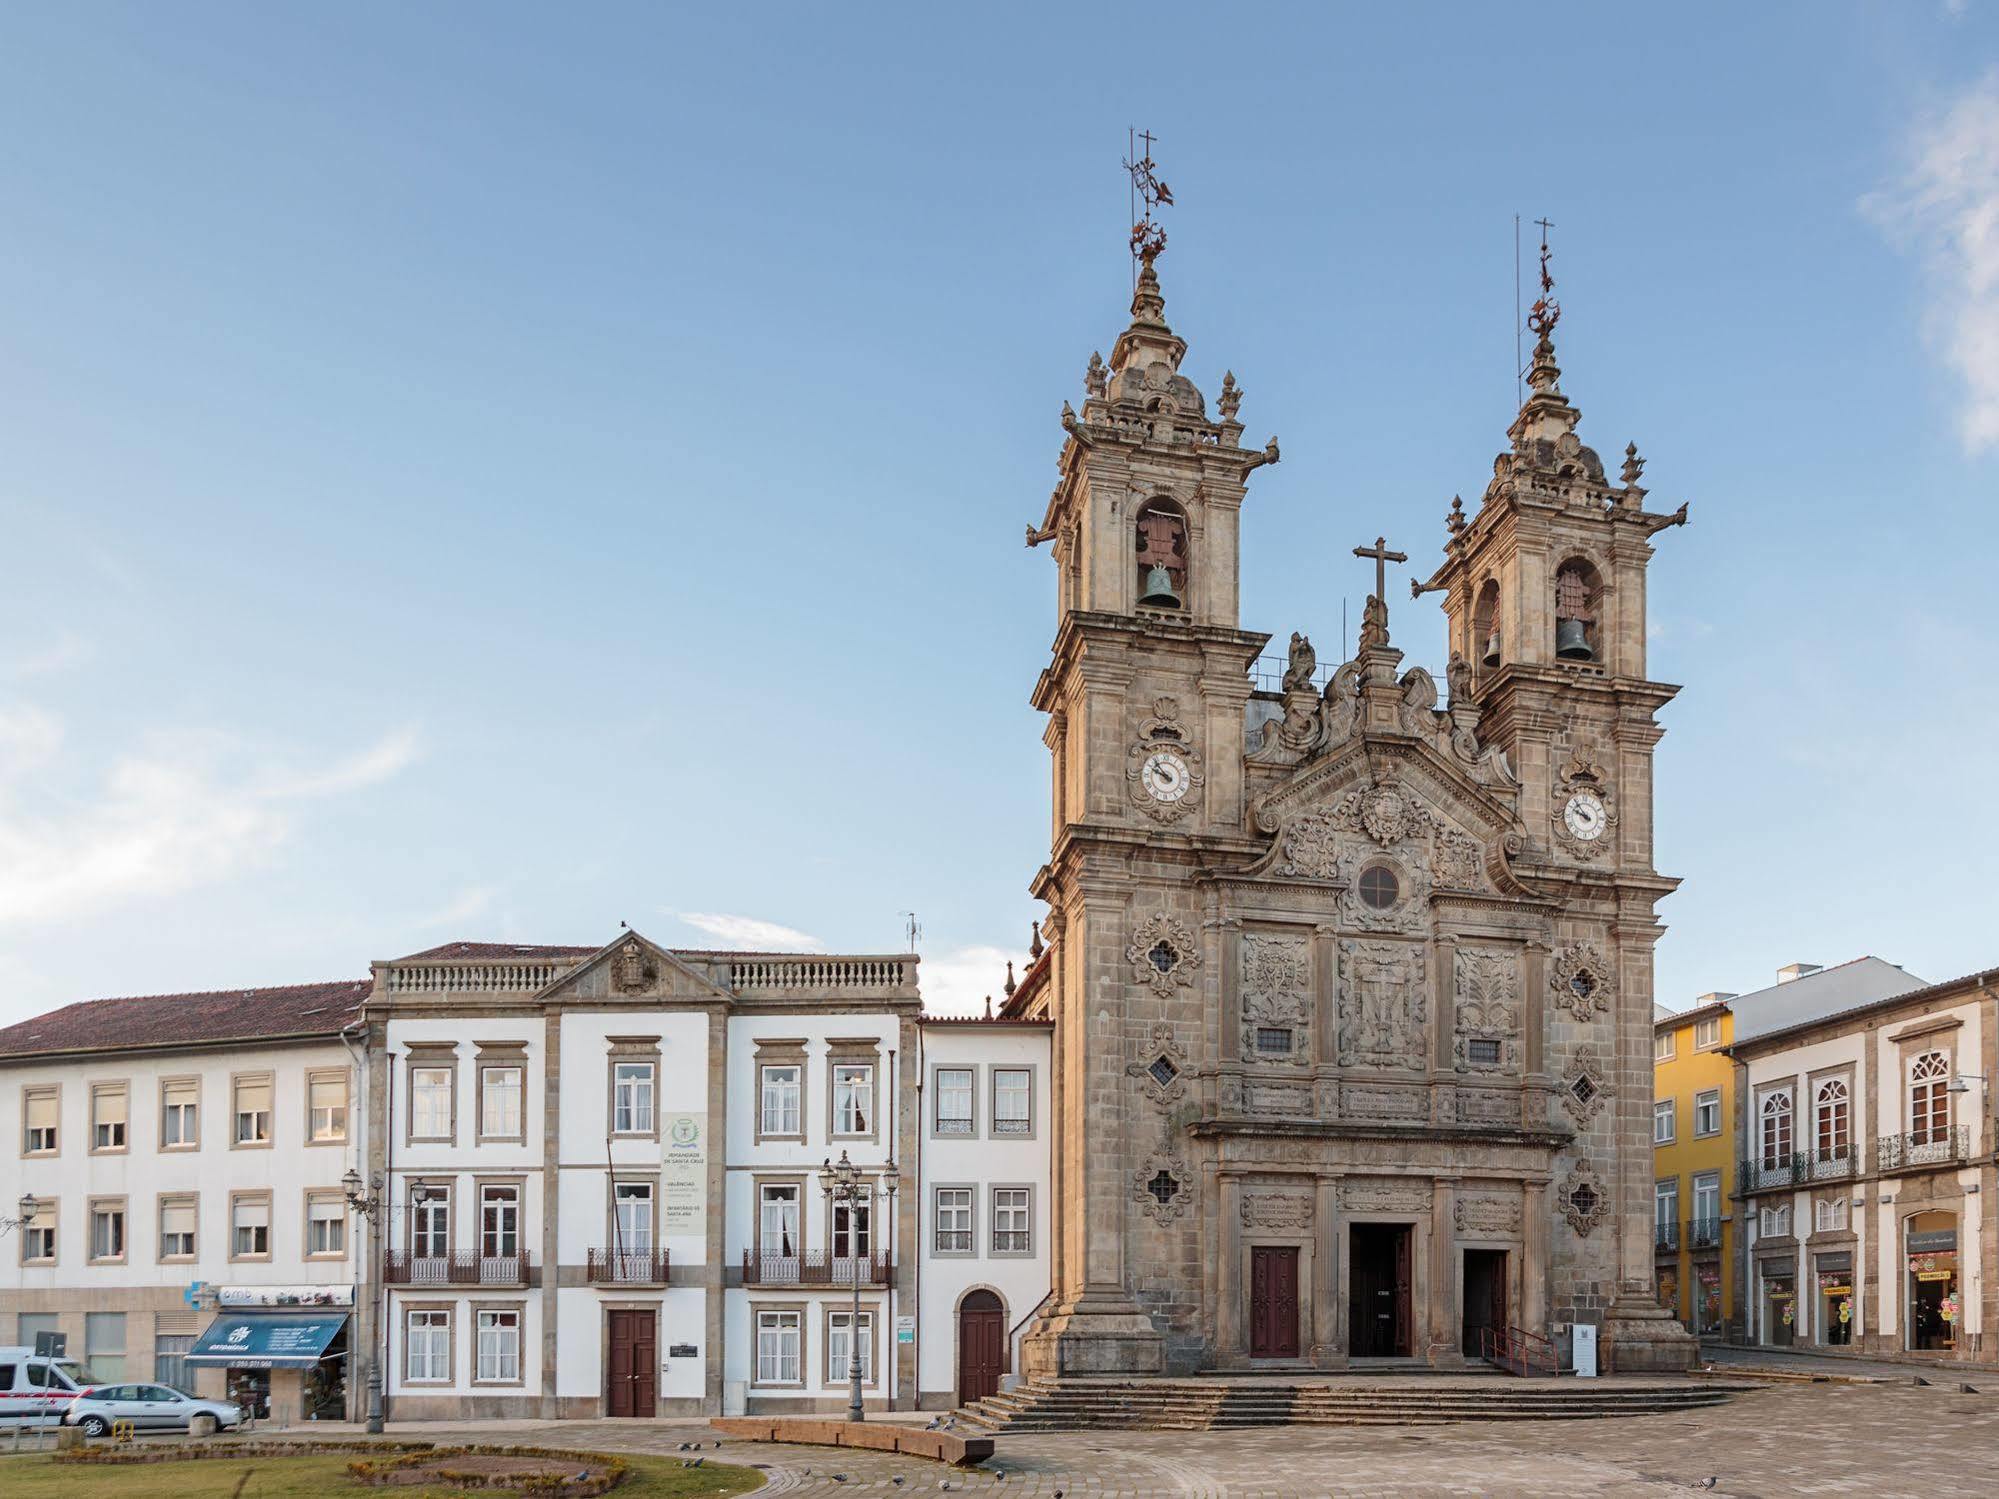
x: 149, y: 1407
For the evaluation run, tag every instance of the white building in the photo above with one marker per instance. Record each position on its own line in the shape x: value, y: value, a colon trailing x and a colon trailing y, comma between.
x: 184, y: 1156
x: 1867, y: 1174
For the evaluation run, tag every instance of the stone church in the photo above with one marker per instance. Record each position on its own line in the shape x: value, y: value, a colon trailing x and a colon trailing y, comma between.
x: 1352, y: 980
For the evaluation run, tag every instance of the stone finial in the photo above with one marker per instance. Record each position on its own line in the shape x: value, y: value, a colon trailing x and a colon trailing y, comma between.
x: 1096, y: 379
x: 1010, y: 985
x: 1034, y: 944
x: 1148, y: 302
x: 1634, y: 466
x: 1230, y: 399
x: 1455, y: 521
x: 989, y: 1007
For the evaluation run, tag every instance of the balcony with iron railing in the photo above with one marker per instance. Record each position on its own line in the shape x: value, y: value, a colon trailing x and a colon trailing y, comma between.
x: 955, y: 1125
x: 627, y: 1267
x: 402, y: 1269
x: 1012, y: 1241
x: 816, y: 1269
x: 1770, y: 1172
x: 954, y: 1241
x: 1915, y: 1150
x: 1704, y: 1233
x: 1665, y: 1237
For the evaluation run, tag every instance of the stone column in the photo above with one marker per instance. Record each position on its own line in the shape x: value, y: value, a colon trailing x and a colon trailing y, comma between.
x: 1227, y: 1276
x: 1329, y: 1343
x: 1445, y: 1287
x: 1534, y: 1233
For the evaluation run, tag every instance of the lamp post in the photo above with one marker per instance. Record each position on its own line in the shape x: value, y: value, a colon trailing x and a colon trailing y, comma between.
x: 370, y: 1205
x: 846, y: 1184
x: 29, y: 1207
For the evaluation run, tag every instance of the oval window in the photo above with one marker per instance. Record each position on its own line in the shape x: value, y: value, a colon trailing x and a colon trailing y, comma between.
x: 1379, y: 888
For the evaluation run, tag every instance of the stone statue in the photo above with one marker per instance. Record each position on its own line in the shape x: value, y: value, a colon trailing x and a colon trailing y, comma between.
x: 1301, y: 665
x: 1374, y: 623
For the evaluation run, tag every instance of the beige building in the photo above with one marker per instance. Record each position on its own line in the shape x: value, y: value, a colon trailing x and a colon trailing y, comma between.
x: 1352, y: 984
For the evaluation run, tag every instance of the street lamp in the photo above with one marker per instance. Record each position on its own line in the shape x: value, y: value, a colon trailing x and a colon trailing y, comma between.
x: 1961, y: 1082
x: 28, y: 1207
x: 369, y: 1205
x: 846, y: 1184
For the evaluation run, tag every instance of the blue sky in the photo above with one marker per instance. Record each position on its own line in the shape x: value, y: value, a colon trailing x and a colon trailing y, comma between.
x: 500, y: 471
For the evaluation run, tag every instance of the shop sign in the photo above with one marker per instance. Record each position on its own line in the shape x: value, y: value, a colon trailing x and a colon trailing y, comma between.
x: 1931, y: 1241
x: 1830, y: 1289
x: 284, y: 1295
x: 1936, y: 1275
x: 1840, y: 1261
x: 683, y: 1175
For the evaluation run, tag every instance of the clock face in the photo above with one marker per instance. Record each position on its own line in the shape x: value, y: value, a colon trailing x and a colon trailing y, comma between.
x: 1165, y: 777
x: 1584, y: 816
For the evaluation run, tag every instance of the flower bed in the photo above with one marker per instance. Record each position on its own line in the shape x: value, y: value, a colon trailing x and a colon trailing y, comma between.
x: 188, y: 1452
x: 542, y: 1471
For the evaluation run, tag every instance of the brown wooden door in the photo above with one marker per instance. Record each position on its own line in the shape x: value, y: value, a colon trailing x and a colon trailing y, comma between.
x: 1404, y: 1295
x: 1273, y: 1302
x: 630, y: 1378
x: 981, y: 1346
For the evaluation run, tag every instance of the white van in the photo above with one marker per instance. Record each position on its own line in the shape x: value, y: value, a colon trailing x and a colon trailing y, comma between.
x: 37, y: 1389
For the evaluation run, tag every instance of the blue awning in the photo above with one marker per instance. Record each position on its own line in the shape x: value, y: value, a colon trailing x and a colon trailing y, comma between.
x: 246, y: 1340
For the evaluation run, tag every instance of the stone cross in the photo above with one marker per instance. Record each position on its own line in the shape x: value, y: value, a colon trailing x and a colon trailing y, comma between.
x: 1382, y: 557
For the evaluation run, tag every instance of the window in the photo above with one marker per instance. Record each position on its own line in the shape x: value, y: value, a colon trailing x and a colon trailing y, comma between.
x: 781, y: 1100
x: 250, y: 1228
x: 1929, y: 1100
x: 180, y: 1113
x: 107, y: 1116
x: 840, y: 1339
x: 777, y: 1348
x: 499, y: 1222
x: 954, y: 1101
x: 499, y: 1347
x: 501, y: 1090
x: 428, y: 1346
x: 1162, y: 556
x: 170, y: 1351
x: 777, y: 1221
x: 430, y: 1103
x: 1829, y: 1214
x: 1662, y: 1122
x: 104, y: 1345
x: 1707, y: 1210
x: 853, y: 1098
x: 177, y: 1217
x: 631, y: 1204
x: 1379, y: 889
x: 1013, y: 1098
x: 853, y: 1230
x: 430, y: 1222
x: 1666, y: 1211
x: 1482, y: 1051
x: 1831, y: 1120
x: 1707, y: 1032
x: 38, y: 1239
x: 1273, y: 1040
x: 1775, y: 1222
x: 1013, y: 1227
x: 39, y: 1107
x: 326, y: 1107
x: 107, y: 1230
x: 1707, y: 1113
x: 1663, y: 1045
x: 325, y: 1225
x: 1578, y: 601
x: 1776, y: 1114
x: 252, y: 1110
x: 954, y: 1220
x: 632, y: 1098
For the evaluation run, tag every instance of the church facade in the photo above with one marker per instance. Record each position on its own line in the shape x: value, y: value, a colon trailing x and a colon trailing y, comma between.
x: 1351, y: 979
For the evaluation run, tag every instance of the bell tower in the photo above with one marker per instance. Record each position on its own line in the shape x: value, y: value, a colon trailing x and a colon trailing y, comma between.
x: 1544, y: 590
x: 1146, y: 695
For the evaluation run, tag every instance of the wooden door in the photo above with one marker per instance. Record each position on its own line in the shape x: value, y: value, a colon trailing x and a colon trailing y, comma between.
x: 1404, y: 1295
x: 630, y: 1378
x: 1273, y: 1302
x: 981, y: 1346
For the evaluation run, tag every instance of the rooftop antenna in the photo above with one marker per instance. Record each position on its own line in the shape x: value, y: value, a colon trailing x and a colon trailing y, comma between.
x: 912, y: 931
x: 1519, y: 354
x: 1147, y: 238
x: 1546, y: 311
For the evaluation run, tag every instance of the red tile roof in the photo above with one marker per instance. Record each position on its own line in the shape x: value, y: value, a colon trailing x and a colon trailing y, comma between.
x: 185, y: 1019
x: 499, y: 950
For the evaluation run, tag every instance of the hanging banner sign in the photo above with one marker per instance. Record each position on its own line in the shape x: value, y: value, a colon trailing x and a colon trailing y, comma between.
x: 683, y: 1175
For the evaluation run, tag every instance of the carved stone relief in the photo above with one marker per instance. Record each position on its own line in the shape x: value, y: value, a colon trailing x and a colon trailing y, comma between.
x: 1162, y: 736
x: 1582, y: 1199
x: 1161, y: 1066
x: 1291, y: 1099
x: 1584, y: 1089
x: 1487, y: 984
x: 1487, y: 1215
x: 632, y: 970
x: 1583, y: 772
x: 1276, y: 1209
x: 1459, y: 861
x: 1163, y: 953
x: 1383, y: 1005
x: 1583, y: 979
x: 1276, y: 984
x: 1488, y: 1106
x: 1163, y: 1187
x: 1383, y: 1101
x: 1360, y: 1194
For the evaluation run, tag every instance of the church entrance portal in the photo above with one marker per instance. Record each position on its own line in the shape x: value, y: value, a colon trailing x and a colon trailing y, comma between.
x: 1379, y: 1309
x: 1485, y: 1296
x: 1273, y: 1302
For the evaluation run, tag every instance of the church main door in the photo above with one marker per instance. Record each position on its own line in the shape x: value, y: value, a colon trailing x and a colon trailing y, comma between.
x: 1379, y: 1305
x: 1273, y: 1302
x: 1484, y: 1298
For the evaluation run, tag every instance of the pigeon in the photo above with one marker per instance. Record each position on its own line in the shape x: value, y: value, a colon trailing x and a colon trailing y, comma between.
x: 839, y: 1478
x: 697, y: 1462
x: 999, y: 1476
x: 1708, y: 1482
x: 897, y: 1480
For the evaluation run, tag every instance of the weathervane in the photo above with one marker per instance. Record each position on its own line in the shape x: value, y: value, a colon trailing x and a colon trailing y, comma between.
x: 1147, y: 237
x: 1546, y: 311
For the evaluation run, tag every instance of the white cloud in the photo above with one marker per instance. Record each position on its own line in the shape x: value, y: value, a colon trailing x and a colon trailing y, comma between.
x: 66, y: 650
x: 469, y: 902
x: 1947, y: 207
x: 749, y: 932
x: 958, y: 982
x: 177, y: 812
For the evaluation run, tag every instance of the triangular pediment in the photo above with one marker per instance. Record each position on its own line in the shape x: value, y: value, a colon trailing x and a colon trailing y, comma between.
x: 633, y: 969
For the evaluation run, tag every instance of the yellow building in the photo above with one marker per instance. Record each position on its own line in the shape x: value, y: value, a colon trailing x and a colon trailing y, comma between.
x: 1693, y: 1154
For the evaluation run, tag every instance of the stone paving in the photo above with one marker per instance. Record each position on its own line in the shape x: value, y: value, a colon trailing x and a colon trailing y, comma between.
x: 1886, y: 1440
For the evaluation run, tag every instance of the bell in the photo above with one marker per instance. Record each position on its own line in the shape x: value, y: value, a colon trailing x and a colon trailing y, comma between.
x: 1572, y: 641
x: 1159, y: 592
x: 1491, y: 656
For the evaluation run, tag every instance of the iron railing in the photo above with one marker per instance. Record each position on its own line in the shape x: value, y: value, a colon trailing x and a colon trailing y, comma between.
x: 954, y: 1241
x: 1932, y: 1147
x: 401, y: 1269
x: 627, y: 1267
x: 1800, y: 1168
x: 814, y: 1269
x: 1665, y: 1236
x: 1518, y: 1351
x: 955, y: 1124
x: 1704, y: 1233
x: 1012, y: 1240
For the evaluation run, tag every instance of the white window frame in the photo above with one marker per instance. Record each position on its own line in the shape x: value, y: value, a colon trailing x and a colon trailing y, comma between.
x: 110, y: 1135
x: 1830, y: 1214
x: 1928, y: 1097
x: 323, y: 1208
x: 500, y: 1220
x: 954, y: 1211
x: 503, y: 1101
x: 180, y: 1113
x: 435, y: 1325
x: 1665, y: 1045
x: 837, y: 1370
x: 853, y: 1099
x: 632, y: 1204
x: 497, y: 1361
x: 1707, y: 1032
x: 634, y: 1097
x: 47, y: 1102
x: 951, y: 1092
x: 776, y: 1195
x: 332, y: 1128
x: 1009, y: 1124
x: 171, y: 1209
x: 780, y: 1098
x: 432, y: 1085
x: 1666, y: 1112
x: 1777, y: 1129
x: 1832, y: 1103
x: 780, y: 1348
x: 1707, y: 1102
x: 256, y: 1120
x: 1011, y: 1210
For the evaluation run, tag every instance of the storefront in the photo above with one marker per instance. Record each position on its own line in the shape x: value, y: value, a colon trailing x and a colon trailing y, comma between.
x: 1669, y: 1288
x: 1707, y: 1299
x: 282, y: 1353
x: 1834, y: 1273
x: 1930, y: 1247
x: 1779, y: 1299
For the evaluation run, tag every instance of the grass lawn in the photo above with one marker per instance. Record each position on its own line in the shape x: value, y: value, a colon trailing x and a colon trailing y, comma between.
x: 278, y: 1477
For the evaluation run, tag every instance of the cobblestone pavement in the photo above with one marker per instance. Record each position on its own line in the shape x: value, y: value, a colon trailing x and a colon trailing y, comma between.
x: 1789, y: 1439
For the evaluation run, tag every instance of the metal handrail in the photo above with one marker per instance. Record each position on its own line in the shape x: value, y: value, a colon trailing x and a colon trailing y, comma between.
x: 1518, y: 1351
